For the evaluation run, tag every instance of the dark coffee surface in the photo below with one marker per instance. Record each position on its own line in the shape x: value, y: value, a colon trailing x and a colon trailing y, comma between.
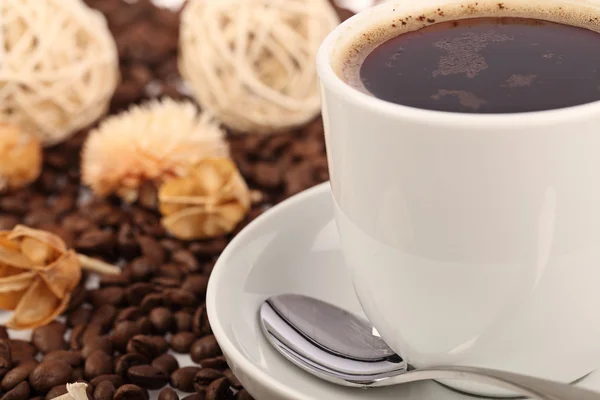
x: 487, y: 65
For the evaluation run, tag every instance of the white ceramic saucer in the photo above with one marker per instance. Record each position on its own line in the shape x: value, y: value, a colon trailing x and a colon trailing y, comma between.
x: 293, y: 248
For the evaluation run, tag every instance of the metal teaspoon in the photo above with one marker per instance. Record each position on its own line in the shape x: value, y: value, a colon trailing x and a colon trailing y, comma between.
x: 340, y: 347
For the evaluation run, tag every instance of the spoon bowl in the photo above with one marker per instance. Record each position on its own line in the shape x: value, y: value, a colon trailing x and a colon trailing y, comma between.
x: 337, y: 346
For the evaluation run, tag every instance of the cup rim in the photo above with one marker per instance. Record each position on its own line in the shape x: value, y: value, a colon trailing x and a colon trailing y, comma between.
x: 332, y: 82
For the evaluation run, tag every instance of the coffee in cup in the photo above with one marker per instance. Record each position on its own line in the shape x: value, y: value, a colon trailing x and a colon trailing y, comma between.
x: 480, y: 64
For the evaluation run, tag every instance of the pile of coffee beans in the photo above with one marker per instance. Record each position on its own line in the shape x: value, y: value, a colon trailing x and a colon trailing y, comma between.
x: 120, y: 336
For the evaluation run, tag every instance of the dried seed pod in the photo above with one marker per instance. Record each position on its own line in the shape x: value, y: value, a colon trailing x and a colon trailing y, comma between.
x: 148, y: 144
x: 21, y: 156
x: 75, y: 391
x: 210, y: 201
x: 37, y: 275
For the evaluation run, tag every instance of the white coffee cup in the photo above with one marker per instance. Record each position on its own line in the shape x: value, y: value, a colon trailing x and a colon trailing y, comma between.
x: 472, y: 239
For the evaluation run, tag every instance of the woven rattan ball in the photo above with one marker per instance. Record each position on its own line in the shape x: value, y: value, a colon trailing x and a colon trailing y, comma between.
x: 58, y: 66
x: 251, y: 63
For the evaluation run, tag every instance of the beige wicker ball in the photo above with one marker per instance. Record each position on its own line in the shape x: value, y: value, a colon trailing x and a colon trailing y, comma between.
x: 251, y: 63
x: 58, y: 66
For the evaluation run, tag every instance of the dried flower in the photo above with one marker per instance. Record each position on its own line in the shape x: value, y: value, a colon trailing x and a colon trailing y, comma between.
x: 37, y: 275
x: 75, y: 391
x: 148, y: 143
x: 21, y: 156
x: 210, y: 201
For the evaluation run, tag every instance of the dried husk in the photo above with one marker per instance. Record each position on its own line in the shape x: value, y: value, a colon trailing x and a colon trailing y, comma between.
x: 21, y: 156
x: 75, y: 391
x: 209, y: 201
x: 37, y: 275
x: 131, y: 154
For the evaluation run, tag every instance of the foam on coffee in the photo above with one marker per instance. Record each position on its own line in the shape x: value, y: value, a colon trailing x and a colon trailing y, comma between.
x: 347, y: 62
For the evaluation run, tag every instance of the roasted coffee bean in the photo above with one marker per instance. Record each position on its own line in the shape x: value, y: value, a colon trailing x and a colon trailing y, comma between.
x: 166, y: 282
x: 7, y: 222
x: 3, y: 332
x: 180, y: 298
x: 20, y: 350
x: 267, y: 175
x: 187, y: 259
x: 200, y: 324
x: 183, y: 321
x: 162, y: 319
x: 123, y: 331
x: 127, y: 91
x: 73, y: 358
x: 48, y: 374
x: 195, y: 396
x: 56, y: 391
x: 95, y: 241
x: 104, y: 316
x: 147, y: 377
x: 152, y: 301
x: 235, y: 383
x: 216, y: 363
x: 121, y: 279
x: 170, y: 245
x: 104, y: 214
x: 126, y: 241
x: 77, y: 374
x: 208, y: 267
x: 140, y: 74
x: 49, y: 338
x: 113, y: 295
x: 103, y: 343
x: 152, y: 249
x: 148, y: 346
x: 62, y: 204
x: 168, y: 394
x: 137, y: 291
x: 172, y: 271
x: 76, y: 223
x: 205, y: 377
x: 6, y: 360
x: 105, y: 390
x: 39, y: 217
x: 182, y: 342
x: 205, y: 347
x: 76, y: 338
x: 243, y: 395
x: 98, y: 363
x: 116, y: 380
x: 218, y: 390
x: 19, y: 392
x: 297, y: 178
x: 131, y: 313
x: 78, y: 297
x: 80, y: 315
x: 166, y: 363
x: 142, y: 268
x: 196, y: 284
x: 144, y: 324
x: 13, y: 204
x: 17, y: 375
x: 126, y: 361
x: 91, y: 333
x: 131, y: 392
x: 209, y: 248
x: 183, y: 378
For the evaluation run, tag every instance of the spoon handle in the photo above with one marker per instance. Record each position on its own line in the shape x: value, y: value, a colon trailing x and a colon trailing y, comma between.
x: 526, y: 385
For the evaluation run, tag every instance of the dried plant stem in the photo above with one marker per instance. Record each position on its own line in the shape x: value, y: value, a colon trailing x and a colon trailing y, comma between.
x: 92, y: 264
